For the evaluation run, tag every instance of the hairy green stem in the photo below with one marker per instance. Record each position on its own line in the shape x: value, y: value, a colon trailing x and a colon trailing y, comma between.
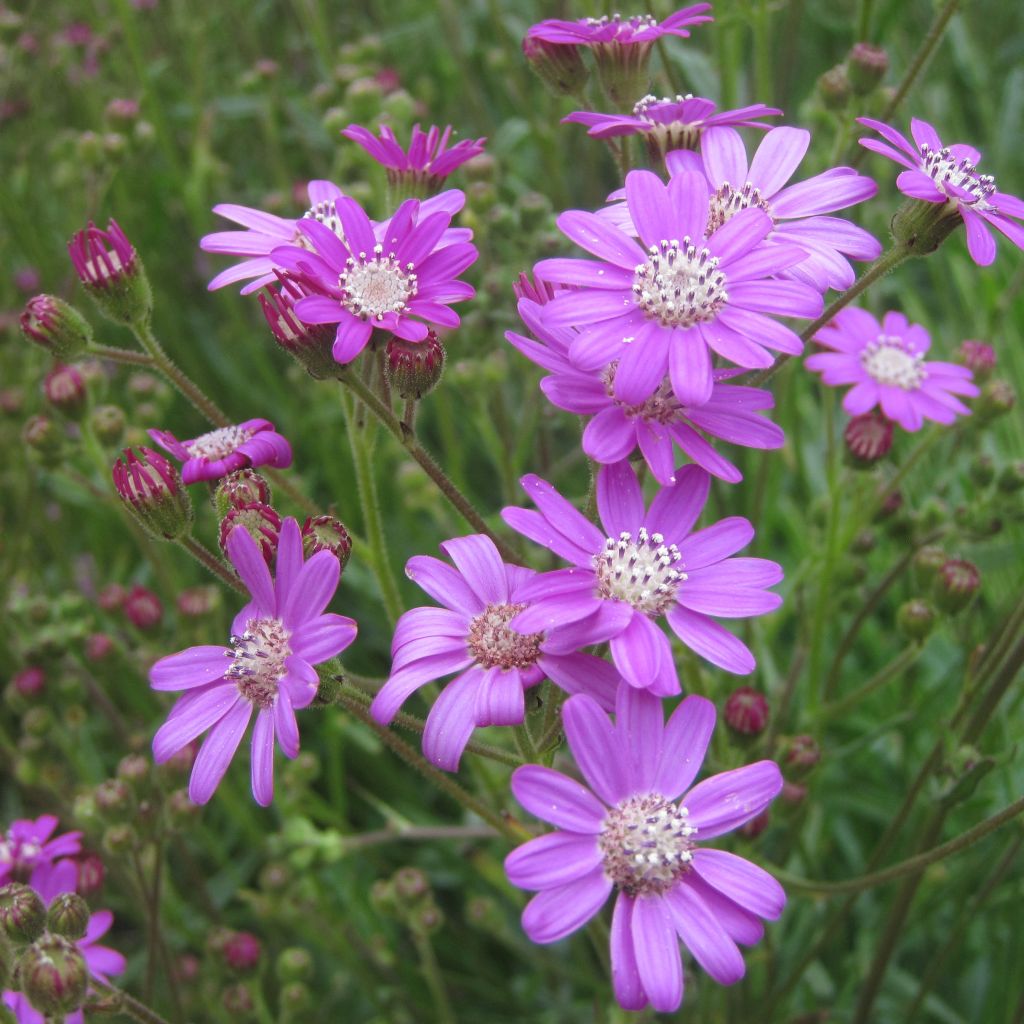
x: 434, y: 978
x: 128, y: 1005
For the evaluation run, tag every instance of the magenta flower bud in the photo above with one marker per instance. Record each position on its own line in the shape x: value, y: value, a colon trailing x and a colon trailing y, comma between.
x: 261, y: 522
x: 243, y: 487
x: 753, y: 828
x: 956, y: 584
x: 29, y: 681
x: 414, y: 367
x: 26, y: 279
x: 241, y: 952
x: 53, y: 976
x: 310, y: 344
x: 915, y: 619
x: 142, y: 608
x: 111, y: 597
x: 793, y: 793
x: 868, y: 438
x: 124, y: 110
x: 22, y: 913
x: 98, y: 646
x: 112, y: 273
x: 113, y: 799
x: 834, y: 88
x: 45, y: 437
x: 64, y: 388
x: 151, y: 488
x: 560, y: 67
x: 746, y: 711
x: 978, y: 357
x: 56, y: 326
x: 197, y: 602
x: 802, y: 753
x: 68, y: 916
x: 91, y: 874
x: 866, y: 66
x: 998, y: 397
x: 325, y: 533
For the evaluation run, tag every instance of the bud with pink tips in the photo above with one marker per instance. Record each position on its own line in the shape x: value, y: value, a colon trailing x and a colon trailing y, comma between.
x: 151, y: 489
x: 110, y: 269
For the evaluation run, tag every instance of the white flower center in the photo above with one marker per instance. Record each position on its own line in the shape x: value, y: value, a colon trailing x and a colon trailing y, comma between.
x: 661, y: 407
x: 218, y: 444
x: 493, y: 644
x: 680, y: 284
x: 647, y: 844
x: 637, y: 23
x: 258, y: 660
x: 889, y: 362
x: 639, y: 572
x: 727, y: 201
x: 21, y: 854
x: 944, y: 169
x: 377, y: 284
x: 326, y: 213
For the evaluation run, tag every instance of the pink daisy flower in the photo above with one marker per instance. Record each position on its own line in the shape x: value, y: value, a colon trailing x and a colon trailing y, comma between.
x: 226, y: 449
x: 276, y: 639
x: 400, y: 284
x: 470, y: 635
x: 616, y: 429
x: 949, y: 174
x: 264, y: 232
x: 101, y: 961
x: 796, y: 210
x: 30, y: 853
x: 614, y: 30
x: 668, y: 123
x: 428, y: 160
x: 665, y: 310
x: 644, y: 565
x: 639, y: 826
x: 886, y: 364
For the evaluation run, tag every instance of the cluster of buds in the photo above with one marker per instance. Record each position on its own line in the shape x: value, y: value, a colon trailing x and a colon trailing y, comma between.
x: 109, y: 267
x: 407, y: 896
x: 56, y: 326
x: 310, y: 344
x: 151, y: 488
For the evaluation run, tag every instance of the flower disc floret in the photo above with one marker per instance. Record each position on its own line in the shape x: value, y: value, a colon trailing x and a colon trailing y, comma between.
x: 645, y: 572
x: 890, y: 362
x: 680, y: 284
x: 376, y: 285
x: 494, y: 645
x: 258, y: 660
x: 727, y: 201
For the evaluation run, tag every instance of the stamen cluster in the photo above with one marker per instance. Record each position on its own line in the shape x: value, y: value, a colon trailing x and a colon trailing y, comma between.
x: 680, y: 284
x: 494, y: 645
x: 376, y: 285
x: 258, y: 660
x: 888, y: 360
x: 639, y: 571
x: 944, y: 169
x: 727, y: 201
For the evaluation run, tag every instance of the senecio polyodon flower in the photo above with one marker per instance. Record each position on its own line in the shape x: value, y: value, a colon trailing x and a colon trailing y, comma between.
x: 948, y: 177
x: 264, y: 232
x: 642, y: 565
x: 616, y: 428
x: 227, y: 449
x: 885, y: 362
x: 401, y: 283
x: 665, y: 310
x: 31, y: 853
x: 471, y: 636
x: 425, y: 164
x: 637, y: 827
x: 670, y: 123
x: 276, y: 639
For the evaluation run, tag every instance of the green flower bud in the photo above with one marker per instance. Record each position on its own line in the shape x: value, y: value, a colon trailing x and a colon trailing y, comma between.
x: 68, y: 916
x: 22, y: 913
x: 56, y: 325
x: 53, y: 975
x: 916, y: 618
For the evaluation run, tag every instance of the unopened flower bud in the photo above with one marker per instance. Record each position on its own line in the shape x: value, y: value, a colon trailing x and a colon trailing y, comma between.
x: 64, y: 388
x: 310, y: 344
x: 151, y: 488
x: 243, y: 487
x: 978, y: 357
x: 133, y: 769
x: 929, y: 560
x: 68, y: 916
x: 414, y: 367
x: 294, y: 964
x: 1011, y: 479
x: 120, y: 839
x: 427, y: 919
x: 142, y: 608
x: 410, y: 884
x: 237, y: 1000
x: 866, y: 66
x: 997, y: 398
x: 921, y: 227
x: 111, y: 597
x: 262, y: 523
x: 753, y: 828
x: 746, y: 711
x: 793, y: 793
x: 56, y: 325
x: 325, y: 533
x: 44, y: 436
x: 802, y: 753
x: 107, y: 421
x: 91, y: 874
x: 956, y: 584
x: 915, y: 619
x: 124, y: 110
x: 29, y: 681
x: 198, y: 602
x: 982, y: 470
x: 559, y: 66
x: 113, y: 799
x: 834, y: 88
x: 241, y: 952
x: 53, y: 975
x: 112, y: 273
x: 22, y: 913
x: 98, y: 646
x: 534, y: 288
x: 868, y: 438
x: 296, y: 1000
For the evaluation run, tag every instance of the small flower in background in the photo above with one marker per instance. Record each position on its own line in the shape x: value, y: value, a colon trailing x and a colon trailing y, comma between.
x: 669, y: 123
x: 796, y: 210
x: 399, y: 285
x: 26, y: 279
x: 638, y: 827
x: 471, y: 635
x: 422, y: 168
x: 65, y: 389
x: 226, y: 449
x: 886, y: 364
x: 658, y: 423
x: 646, y: 564
x: 142, y: 608
x: 948, y: 175
x: 978, y: 357
x: 29, y: 681
x: 534, y: 288
x: 30, y: 853
x: 868, y: 437
x: 664, y: 311
x: 276, y: 639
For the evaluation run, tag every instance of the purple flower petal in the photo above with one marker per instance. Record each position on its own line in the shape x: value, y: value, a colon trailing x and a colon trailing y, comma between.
x: 675, y: 509
x: 594, y: 745
x: 582, y: 673
x: 583, y: 273
x: 739, y: 880
x: 684, y: 743
x: 703, y: 935
x: 619, y: 499
x: 980, y: 243
x: 689, y: 195
x: 285, y: 726
x: 262, y: 767
x: 649, y: 206
x: 639, y: 722
x: 192, y: 715
x: 402, y: 684
x: 727, y: 800
x: 248, y: 561
x: 555, y: 913
x: 740, y: 925
x: 218, y: 748
x: 727, y: 601
x: 426, y: 623
x: 657, y: 954
x: 725, y: 157
x: 557, y: 799
x: 567, y: 520
x: 689, y: 367
x: 638, y: 651
x: 443, y: 584
x: 565, y: 607
x: 451, y: 721
x: 590, y: 232
x: 351, y: 338
x: 609, y: 436
x: 481, y: 566
x: 193, y: 667
x: 324, y: 637
x: 777, y: 158
x: 629, y: 990
x: 314, y: 587
x: 643, y: 364
x: 499, y: 698
x: 552, y: 860
x: 711, y: 641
